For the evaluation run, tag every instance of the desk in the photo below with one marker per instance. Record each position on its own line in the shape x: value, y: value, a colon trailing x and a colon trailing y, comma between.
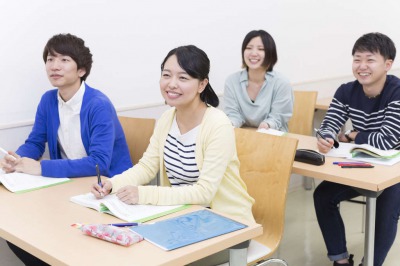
x: 371, y: 183
x: 323, y: 103
x: 40, y: 222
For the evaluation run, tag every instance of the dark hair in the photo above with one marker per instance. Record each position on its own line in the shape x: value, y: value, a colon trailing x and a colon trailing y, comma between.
x: 271, y: 56
x: 196, y: 63
x: 375, y: 42
x: 70, y: 45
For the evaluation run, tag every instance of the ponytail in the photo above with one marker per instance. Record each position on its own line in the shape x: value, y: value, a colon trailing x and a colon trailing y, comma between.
x: 209, y: 96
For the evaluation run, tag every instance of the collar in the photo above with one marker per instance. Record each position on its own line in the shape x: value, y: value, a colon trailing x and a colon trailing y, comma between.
x: 244, y: 75
x: 75, y: 102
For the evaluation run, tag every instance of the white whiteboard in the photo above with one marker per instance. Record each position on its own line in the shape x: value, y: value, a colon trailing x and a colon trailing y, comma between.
x: 129, y: 39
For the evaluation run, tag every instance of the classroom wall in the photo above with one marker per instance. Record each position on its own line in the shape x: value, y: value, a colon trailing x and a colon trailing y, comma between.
x: 129, y: 39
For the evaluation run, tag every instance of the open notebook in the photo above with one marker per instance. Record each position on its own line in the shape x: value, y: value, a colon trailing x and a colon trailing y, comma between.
x: 131, y: 213
x: 20, y: 183
x: 365, y: 153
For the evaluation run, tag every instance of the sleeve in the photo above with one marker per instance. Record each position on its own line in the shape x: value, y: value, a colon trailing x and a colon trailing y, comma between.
x: 336, y: 116
x: 231, y: 102
x: 388, y: 135
x: 35, y: 145
x: 215, y: 163
x: 281, y: 108
x: 147, y: 167
x: 98, y: 132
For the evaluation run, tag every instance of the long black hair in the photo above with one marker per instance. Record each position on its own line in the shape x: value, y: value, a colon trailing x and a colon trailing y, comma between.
x: 196, y: 63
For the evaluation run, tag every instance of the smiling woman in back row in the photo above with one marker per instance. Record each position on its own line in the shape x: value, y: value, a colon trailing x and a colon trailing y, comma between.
x: 258, y: 96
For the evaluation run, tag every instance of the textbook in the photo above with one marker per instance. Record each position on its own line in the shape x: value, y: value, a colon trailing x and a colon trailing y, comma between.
x: 20, y: 182
x: 365, y: 153
x: 110, y: 204
x: 374, y: 152
x: 187, y: 229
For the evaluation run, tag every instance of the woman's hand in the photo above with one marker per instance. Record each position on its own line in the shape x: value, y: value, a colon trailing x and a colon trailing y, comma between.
x: 99, y: 192
x: 129, y: 194
x: 263, y: 125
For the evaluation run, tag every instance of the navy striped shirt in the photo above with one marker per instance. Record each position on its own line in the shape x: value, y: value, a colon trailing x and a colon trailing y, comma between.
x: 376, y: 119
x: 179, y: 156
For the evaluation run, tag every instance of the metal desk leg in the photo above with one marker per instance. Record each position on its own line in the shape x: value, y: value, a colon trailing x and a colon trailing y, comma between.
x: 238, y: 257
x: 369, y: 241
x: 370, y: 232
x: 308, y: 182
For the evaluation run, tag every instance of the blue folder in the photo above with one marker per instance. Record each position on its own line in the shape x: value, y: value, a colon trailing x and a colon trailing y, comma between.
x: 187, y: 229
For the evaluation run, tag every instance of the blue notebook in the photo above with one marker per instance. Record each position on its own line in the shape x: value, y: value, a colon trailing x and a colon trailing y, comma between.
x: 187, y: 229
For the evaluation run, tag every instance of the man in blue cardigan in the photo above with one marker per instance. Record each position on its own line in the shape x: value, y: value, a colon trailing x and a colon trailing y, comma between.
x: 79, y: 123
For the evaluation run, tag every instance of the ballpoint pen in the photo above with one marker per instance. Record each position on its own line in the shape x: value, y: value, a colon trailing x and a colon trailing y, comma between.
x: 339, y: 163
x: 357, y: 166
x: 335, y: 143
x: 99, y: 179
x: 124, y: 224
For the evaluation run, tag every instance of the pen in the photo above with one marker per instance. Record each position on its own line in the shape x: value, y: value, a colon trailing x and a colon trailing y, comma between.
x: 349, y: 163
x: 357, y: 166
x: 6, y: 153
x: 99, y: 179
x: 335, y: 143
x: 124, y: 224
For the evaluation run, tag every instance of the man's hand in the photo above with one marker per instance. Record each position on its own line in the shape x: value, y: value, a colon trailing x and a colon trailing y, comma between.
x: 28, y: 166
x: 325, y: 146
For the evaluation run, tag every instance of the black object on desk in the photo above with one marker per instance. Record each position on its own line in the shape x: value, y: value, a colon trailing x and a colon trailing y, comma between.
x: 309, y: 156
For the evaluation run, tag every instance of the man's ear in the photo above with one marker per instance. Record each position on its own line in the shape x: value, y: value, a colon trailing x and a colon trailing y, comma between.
x: 388, y: 64
x: 81, y: 72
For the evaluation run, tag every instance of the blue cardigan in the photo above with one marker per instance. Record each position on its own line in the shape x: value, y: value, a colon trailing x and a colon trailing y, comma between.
x: 102, y: 137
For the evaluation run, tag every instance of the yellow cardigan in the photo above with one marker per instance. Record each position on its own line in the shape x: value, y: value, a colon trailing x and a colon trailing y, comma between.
x: 219, y: 184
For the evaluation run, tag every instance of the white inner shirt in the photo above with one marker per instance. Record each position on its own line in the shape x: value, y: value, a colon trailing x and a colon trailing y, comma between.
x: 179, y: 156
x: 69, y: 132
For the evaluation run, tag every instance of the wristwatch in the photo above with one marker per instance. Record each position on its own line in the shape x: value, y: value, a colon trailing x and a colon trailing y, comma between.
x: 347, y: 134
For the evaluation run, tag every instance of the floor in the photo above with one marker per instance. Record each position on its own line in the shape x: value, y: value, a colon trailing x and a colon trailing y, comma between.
x: 302, y: 244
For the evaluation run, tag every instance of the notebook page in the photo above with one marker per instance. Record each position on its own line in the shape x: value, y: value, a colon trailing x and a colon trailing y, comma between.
x: 20, y: 182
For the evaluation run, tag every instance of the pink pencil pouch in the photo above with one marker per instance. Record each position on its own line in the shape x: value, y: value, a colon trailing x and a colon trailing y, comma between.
x: 110, y: 233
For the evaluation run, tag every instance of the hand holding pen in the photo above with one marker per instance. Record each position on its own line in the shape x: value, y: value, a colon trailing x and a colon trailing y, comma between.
x: 99, y: 181
x: 325, y: 144
x: 101, y: 188
x: 9, y: 160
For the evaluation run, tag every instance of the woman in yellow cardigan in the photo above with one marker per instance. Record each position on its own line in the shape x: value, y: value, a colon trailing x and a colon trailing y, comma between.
x: 193, y: 146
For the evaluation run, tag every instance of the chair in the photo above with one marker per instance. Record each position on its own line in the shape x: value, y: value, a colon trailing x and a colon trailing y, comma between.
x: 303, y: 119
x: 265, y: 166
x: 137, y: 133
x: 303, y: 112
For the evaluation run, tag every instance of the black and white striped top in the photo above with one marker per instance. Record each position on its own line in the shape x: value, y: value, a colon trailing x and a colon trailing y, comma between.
x: 179, y: 156
x: 377, y: 119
